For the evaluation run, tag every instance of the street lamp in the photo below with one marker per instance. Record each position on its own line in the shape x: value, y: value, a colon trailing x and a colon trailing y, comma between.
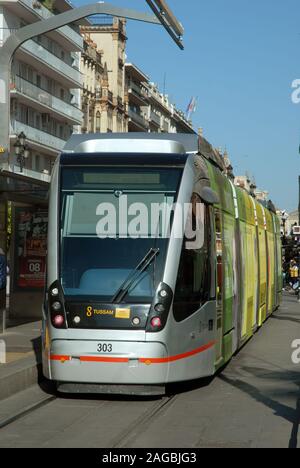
x: 252, y: 190
x: 284, y: 218
x: 22, y: 150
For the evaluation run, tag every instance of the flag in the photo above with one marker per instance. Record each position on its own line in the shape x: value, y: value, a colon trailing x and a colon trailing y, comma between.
x: 191, y: 107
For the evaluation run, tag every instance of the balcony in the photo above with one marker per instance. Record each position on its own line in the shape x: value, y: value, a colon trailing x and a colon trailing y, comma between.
x: 38, y: 138
x: 160, y: 100
x: 137, y: 120
x: 31, y: 10
x: 136, y: 94
x: 42, y: 176
x: 155, y: 119
x: 36, y: 55
x: 166, y: 127
x: 45, y: 101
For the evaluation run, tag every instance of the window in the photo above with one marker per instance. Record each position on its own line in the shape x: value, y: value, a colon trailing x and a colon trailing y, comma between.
x: 94, y: 267
x: 98, y: 122
x: 37, y: 162
x: 194, y: 272
x: 30, y: 74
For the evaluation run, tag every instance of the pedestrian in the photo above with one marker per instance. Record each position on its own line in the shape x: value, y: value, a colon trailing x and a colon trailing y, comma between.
x: 3, y: 274
x: 294, y: 274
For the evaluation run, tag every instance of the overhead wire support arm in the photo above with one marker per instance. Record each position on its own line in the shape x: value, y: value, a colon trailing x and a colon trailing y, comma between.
x: 168, y: 20
x: 162, y: 16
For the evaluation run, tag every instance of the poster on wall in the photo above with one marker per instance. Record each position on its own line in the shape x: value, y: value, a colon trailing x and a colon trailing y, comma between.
x: 31, y: 248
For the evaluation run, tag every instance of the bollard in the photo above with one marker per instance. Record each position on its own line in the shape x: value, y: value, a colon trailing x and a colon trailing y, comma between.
x: 2, y: 352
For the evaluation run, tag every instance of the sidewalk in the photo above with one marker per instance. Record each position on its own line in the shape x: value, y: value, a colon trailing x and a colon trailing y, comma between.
x: 23, y: 357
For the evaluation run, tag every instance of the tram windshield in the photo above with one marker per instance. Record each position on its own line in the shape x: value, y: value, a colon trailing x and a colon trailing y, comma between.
x: 110, y: 219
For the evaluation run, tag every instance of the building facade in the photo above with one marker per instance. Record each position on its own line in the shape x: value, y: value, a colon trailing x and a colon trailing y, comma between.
x: 108, y: 39
x: 45, y: 82
x: 118, y: 96
x: 45, y: 108
x: 148, y: 109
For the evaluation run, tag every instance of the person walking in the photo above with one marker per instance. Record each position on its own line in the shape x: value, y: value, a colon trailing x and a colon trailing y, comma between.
x: 3, y: 275
x: 294, y: 274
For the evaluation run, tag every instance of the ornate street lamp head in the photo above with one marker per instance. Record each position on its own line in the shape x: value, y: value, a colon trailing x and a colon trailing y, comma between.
x: 22, y: 138
x: 18, y: 147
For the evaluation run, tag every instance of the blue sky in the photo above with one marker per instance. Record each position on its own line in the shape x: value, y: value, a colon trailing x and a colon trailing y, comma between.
x: 240, y: 59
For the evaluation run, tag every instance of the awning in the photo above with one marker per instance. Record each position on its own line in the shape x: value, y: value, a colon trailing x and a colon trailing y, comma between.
x: 22, y: 189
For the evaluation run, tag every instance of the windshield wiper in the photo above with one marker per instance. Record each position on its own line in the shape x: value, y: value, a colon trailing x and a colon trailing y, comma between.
x: 135, y: 275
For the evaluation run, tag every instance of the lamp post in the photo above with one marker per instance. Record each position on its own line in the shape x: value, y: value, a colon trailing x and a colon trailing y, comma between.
x: 284, y: 218
x: 22, y: 150
x: 252, y: 190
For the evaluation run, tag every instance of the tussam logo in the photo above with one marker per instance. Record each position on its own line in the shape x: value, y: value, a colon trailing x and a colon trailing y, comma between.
x: 2, y: 352
x: 296, y: 353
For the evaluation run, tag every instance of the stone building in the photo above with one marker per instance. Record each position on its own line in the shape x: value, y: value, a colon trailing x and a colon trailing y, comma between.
x: 104, y: 89
x: 45, y: 107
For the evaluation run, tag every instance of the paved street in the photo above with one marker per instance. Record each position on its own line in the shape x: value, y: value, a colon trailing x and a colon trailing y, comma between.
x: 254, y: 402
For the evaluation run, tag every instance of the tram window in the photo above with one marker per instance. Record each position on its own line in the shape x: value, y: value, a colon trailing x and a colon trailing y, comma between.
x: 193, y: 280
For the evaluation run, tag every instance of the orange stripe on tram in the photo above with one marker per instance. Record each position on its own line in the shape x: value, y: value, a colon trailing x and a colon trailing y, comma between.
x: 148, y: 361
x: 178, y: 357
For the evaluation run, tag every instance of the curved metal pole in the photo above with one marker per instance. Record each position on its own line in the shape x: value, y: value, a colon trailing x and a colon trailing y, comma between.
x: 36, y: 29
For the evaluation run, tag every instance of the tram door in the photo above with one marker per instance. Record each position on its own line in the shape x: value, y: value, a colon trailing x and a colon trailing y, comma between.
x: 219, y: 281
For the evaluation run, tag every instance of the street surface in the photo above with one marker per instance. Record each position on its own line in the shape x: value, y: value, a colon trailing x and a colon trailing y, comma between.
x: 253, y: 402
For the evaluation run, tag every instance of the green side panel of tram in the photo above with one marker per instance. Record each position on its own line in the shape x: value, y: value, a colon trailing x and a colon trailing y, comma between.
x: 271, y: 262
x: 279, y: 261
x: 262, y: 250
x: 226, y: 209
x: 248, y: 264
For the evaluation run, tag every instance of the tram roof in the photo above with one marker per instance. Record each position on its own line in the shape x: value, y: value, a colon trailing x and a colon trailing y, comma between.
x: 141, y: 143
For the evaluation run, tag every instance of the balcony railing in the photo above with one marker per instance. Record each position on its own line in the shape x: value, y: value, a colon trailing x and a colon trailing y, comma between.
x: 52, y: 61
x: 132, y: 86
x: 43, y: 97
x: 38, y: 136
x: 166, y: 127
x: 138, y: 118
x: 43, y: 13
x: 155, y: 118
x: 42, y: 176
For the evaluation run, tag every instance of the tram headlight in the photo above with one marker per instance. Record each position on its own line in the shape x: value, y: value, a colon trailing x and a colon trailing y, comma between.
x: 160, y: 308
x: 54, y: 292
x: 56, y: 306
x: 136, y: 321
x: 163, y: 293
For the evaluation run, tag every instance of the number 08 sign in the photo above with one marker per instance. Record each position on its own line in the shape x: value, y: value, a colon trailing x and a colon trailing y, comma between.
x: 31, y: 244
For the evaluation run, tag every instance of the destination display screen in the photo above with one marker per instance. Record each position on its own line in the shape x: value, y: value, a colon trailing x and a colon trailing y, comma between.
x: 121, y: 178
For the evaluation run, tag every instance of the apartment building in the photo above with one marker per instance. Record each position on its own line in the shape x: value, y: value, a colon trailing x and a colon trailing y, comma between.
x: 45, y: 107
x: 118, y: 96
x: 136, y: 98
x: 45, y: 82
x: 149, y: 110
x: 108, y: 39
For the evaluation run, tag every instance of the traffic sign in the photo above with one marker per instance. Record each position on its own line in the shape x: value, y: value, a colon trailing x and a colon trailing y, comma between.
x: 296, y: 230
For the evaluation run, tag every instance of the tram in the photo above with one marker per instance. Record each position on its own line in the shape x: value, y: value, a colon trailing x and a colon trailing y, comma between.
x: 133, y: 303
